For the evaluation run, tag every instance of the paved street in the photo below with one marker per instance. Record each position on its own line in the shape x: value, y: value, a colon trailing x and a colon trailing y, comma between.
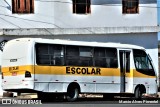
x: 82, y: 102
x: 83, y: 105
x: 30, y: 100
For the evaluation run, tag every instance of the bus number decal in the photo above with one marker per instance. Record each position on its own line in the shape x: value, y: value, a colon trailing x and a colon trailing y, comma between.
x: 73, y: 70
x: 13, y: 68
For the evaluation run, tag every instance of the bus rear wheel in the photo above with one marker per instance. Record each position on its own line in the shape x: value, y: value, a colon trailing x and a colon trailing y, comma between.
x: 72, y: 94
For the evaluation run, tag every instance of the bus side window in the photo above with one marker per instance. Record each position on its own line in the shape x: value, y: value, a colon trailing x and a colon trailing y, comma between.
x: 99, y: 57
x: 128, y: 62
x: 106, y: 57
x: 85, y: 56
x: 111, y: 53
x: 49, y: 54
x: 42, y: 54
x: 57, y: 55
x: 72, y: 55
x: 114, y: 63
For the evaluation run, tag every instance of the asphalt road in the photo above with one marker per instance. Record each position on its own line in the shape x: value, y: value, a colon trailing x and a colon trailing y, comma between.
x: 82, y: 105
x: 84, y: 102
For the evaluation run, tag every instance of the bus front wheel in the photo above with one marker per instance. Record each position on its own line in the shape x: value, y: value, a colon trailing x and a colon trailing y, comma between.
x: 72, y: 94
x: 138, y: 93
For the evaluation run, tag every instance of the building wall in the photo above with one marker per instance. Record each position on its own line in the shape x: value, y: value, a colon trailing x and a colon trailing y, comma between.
x: 58, y: 13
x: 43, y: 16
x: 158, y: 12
x: 105, y: 13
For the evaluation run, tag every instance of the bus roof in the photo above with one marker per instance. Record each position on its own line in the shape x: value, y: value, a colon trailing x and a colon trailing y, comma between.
x: 79, y: 43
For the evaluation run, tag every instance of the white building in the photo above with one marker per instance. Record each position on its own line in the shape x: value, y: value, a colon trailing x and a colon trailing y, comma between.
x: 123, y: 21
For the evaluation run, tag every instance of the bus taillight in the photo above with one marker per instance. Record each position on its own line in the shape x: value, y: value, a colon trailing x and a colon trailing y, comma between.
x: 27, y: 74
x: 2, y: 76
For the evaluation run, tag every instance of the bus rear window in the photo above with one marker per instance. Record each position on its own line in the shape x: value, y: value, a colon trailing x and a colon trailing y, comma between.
x: 15, y: 50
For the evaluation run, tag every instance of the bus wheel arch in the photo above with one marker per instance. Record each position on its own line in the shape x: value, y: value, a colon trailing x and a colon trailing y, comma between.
x: 73, y: 91
x: 139, y: 90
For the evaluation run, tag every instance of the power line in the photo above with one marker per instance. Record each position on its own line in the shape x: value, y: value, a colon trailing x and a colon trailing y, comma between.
x: 29, y: 19
x: 10, y: 22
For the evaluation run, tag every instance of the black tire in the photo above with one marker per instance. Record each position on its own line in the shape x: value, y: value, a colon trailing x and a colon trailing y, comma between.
x: 138, y: 93
x: 72, y: 94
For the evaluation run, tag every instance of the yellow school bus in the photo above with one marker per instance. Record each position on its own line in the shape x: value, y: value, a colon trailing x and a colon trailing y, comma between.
x: 64, y: 67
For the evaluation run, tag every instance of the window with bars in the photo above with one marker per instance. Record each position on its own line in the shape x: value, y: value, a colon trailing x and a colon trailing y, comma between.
x: 130, y: 6
x: 81, y: 6
x: 22, y: 6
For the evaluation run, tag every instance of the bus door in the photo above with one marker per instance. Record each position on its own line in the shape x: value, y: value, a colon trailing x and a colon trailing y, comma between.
x: 124, y: 56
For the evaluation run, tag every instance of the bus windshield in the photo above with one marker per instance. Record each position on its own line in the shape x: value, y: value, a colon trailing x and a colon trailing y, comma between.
x: 142, y: 62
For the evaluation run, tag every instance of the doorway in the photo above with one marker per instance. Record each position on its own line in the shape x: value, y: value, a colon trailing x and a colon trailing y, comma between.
x: 124, y: 68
